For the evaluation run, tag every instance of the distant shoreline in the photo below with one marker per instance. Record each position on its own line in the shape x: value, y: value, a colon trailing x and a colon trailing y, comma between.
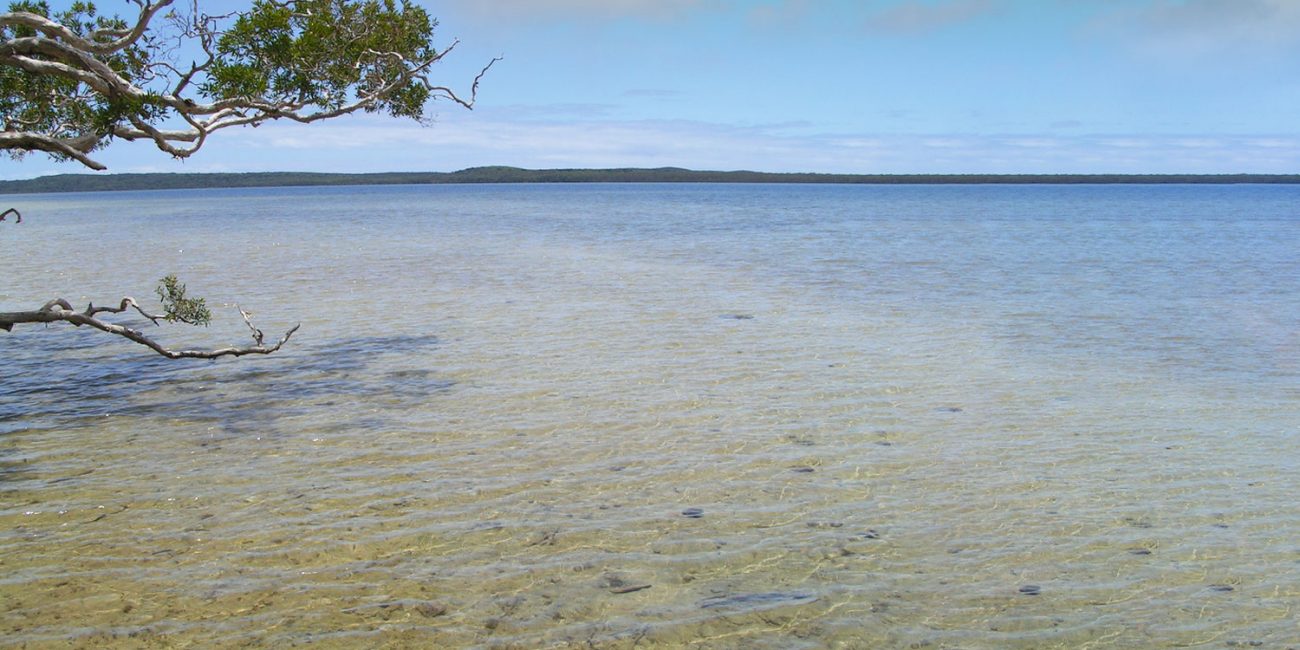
x: 123, y: 182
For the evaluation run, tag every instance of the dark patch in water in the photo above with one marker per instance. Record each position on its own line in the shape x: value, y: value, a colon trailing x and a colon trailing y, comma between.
x: 53, y: 383
x: 756, y: 601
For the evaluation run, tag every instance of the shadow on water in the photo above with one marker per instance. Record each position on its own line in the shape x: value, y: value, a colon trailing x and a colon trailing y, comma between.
x: 13, y: 470
x: 65, y: 380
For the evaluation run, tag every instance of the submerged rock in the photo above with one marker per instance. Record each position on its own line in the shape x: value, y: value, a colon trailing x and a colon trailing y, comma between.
x: 617, y: 583
x: 627, y: 589
x: 430, y: 609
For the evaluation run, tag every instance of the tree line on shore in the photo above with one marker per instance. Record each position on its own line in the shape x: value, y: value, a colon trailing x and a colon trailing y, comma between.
x: 165, y: 181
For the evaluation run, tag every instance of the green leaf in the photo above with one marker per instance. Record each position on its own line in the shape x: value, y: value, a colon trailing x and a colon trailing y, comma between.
x: 178, y: 307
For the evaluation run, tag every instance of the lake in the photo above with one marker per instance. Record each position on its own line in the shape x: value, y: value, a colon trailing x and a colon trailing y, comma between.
x: 615, y: 416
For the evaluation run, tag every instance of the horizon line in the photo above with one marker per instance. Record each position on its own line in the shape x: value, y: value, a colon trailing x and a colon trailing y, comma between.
x: 500, y: 174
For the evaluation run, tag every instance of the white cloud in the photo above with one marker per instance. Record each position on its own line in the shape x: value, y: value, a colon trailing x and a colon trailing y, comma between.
x: 374, y: 144
x: 1181, y: 28
x: 1112, y: 142
x: 471, y: 141
x: 1033, y: 143
x: 912, y: 16
x: 780, y: 13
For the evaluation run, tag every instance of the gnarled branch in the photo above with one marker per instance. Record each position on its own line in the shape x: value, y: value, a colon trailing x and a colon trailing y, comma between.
x: 55, y: 30
x: 61, y: 310
x: 74, y: 148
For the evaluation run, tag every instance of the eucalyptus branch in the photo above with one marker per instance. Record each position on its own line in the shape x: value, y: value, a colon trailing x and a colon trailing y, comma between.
x: 127, y: 303
x: 60, y: 310
x: 58, y: 31
x: 74, y: 148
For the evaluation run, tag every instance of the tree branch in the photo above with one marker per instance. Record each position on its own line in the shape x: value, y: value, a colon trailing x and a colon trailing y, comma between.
x: 61, y: 310
x: 59, y: 31
x: 74, y: 148
x: 16, y: 56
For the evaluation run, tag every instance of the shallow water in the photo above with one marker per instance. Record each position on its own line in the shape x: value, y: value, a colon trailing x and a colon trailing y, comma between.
x: 657, y: 415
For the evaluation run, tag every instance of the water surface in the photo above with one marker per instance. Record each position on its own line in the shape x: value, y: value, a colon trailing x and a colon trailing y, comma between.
x: 661, y: 415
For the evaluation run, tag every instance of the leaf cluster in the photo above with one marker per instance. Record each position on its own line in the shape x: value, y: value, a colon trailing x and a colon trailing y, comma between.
x: 325, y: 53
x: 179, y: 307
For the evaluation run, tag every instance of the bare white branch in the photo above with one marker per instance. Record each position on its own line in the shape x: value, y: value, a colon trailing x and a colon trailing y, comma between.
x: 58, y: 31
x: 60, y: 310
x: 74, y: 148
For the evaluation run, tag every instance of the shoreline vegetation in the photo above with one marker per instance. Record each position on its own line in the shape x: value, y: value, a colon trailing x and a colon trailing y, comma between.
x: 170, y: 181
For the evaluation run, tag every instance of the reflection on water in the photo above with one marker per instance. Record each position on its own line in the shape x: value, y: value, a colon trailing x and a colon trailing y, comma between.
x: 726, y: 417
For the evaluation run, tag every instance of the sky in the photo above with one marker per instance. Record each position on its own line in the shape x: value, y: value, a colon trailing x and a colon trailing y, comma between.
x: 855, y: 86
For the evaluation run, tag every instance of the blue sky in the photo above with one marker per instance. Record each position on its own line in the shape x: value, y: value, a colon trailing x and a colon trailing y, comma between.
x: 866, y: 86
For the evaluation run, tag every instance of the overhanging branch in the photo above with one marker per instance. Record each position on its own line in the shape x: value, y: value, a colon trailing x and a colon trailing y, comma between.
x: 60, y: 310
x: 74, y: 148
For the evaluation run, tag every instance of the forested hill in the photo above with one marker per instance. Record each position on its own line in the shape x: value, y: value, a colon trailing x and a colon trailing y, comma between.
x: 110, y: 182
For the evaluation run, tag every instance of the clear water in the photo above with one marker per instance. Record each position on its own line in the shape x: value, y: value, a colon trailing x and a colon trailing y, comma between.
x: 934, y: 417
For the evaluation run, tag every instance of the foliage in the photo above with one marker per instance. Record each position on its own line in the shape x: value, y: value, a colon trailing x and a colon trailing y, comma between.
x: 178, y: 307
x: 73, y: 80
x: 323, y: 52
